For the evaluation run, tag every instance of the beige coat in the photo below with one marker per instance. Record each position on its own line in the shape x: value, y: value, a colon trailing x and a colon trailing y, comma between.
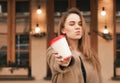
x: 72, y: 73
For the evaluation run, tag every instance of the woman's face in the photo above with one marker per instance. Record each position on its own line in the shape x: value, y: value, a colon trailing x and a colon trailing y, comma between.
x: 73, y: 27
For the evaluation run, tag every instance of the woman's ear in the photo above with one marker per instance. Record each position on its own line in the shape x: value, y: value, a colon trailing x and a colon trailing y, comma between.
x: 63, y: 31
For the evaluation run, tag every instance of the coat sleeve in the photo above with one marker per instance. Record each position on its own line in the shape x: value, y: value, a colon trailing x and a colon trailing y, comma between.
x: 55, y: 68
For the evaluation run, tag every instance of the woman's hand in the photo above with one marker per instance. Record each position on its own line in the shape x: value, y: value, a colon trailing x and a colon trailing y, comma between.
x: 62, y: 62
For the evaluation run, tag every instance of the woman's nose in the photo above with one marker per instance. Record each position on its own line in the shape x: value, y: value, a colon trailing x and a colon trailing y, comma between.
x: 77, y: 26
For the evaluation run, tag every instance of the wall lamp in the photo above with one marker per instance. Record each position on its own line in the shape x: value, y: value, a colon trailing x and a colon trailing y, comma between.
x: 37, y: 29
x: 105, y: 34
x: 39, y: 11
x: 103, y: 12
x: 39, y: 35
x: 37, y: 32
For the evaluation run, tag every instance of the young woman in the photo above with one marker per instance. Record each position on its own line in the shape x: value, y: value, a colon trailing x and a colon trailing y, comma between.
x: 83, y: 66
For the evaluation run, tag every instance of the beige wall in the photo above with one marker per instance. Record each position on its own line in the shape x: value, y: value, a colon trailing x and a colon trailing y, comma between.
x: 39, y: 44
x: 105, y: 48
x: 39, y: 57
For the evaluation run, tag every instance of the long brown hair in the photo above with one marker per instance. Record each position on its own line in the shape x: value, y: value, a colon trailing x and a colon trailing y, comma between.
x: 84, y: 45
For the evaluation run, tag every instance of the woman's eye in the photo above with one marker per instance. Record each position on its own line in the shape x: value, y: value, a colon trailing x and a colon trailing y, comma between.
x: 71, y: 24
x: 80, y: 24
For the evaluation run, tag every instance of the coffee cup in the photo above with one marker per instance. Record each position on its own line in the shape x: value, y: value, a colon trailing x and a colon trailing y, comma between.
x: 60, y: 45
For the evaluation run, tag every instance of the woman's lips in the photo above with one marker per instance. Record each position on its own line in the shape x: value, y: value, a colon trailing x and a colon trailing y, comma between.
x: 77, y: 32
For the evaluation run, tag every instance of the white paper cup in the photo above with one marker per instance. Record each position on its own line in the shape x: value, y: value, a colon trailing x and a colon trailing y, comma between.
x: 60, y: 45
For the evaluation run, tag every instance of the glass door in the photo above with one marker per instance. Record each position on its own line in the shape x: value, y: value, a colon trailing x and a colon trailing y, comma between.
x: 22, y: 29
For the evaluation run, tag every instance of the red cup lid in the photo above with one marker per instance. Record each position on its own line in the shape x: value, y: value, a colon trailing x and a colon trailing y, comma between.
x: 56, y: 39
